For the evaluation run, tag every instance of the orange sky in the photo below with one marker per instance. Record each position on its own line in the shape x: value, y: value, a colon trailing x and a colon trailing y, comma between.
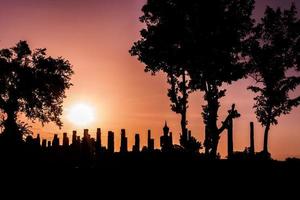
x: 95, y: 36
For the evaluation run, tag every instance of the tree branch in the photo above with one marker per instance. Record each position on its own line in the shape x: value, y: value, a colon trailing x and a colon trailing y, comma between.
x: 233, y: 113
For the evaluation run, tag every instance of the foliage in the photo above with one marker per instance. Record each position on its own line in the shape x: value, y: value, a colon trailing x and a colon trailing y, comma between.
x: 216, y: 44
x: 160, y: 50
x: 275, y: 57
x: 32, y: 84
x: 191, y: 145
x: 199, y: 44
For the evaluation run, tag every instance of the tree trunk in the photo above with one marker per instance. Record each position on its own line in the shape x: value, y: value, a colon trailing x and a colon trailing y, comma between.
x: 214, y: 148
x: 266, y: 137
x: 210, y: 114
x: 211, y: 125
x: 11, y: 131
x: 206, y: 141
x: 183, y: 127
x: 184, y: 109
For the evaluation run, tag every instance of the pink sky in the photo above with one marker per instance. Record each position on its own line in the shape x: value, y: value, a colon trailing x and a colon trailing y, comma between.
x: 95, y: 36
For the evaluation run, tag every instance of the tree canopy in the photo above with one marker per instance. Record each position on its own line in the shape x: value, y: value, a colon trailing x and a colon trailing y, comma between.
x: 160, y: 50
x: 33, y: 84
x: 202, y: 45
x: 202, y: 40
x: 275, y: 58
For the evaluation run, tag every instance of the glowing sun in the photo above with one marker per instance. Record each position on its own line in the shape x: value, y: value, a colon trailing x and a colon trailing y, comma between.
x: 81, y: 114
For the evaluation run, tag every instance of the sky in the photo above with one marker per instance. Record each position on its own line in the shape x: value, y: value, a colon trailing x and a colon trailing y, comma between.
x: 95, y: 36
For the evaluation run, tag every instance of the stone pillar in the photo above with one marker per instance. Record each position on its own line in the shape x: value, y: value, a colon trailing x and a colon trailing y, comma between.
x: 110, y: 142
x: 150, y: 141
x: 136, y: 146
x: 86, y: 134
x: 252, y: 148
x: 44, y: 143
x: 55, y: 142
x: 230, y: 138
x: 38, y: 140
x: 124, y: 145
x: 65, y: 140
x: 98, y: 139
x: 74, y: 137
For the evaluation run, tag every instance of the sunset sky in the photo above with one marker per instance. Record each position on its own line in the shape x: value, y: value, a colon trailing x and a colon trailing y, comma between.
x: 95, y: 36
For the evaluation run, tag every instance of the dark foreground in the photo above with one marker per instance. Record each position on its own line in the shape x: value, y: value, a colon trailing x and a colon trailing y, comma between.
x: 170, y: 167
x: 150, y: 163
x: 152, y: 174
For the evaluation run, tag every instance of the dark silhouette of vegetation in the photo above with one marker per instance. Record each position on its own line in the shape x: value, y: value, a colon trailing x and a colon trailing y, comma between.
x: 160, y: 50
x: 275, y: 52
x: 191, y: 144
x: 199, y: 45
x: 31, y: 84
x: 216, y: 39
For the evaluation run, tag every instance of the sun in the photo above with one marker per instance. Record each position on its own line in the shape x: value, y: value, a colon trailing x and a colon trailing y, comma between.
x: 81, y: 114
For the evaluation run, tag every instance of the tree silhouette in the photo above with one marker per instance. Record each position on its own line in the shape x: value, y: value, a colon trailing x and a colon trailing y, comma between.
x: 31, y: 84
x: 216, y: 38
x: 201, y: 39
x: 178, y: 94
x: 160, y: 49
x: 191, y: 144
x: 275, y: 52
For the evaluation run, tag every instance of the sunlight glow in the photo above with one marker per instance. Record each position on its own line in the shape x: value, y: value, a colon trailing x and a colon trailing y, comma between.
x: 81, y: 114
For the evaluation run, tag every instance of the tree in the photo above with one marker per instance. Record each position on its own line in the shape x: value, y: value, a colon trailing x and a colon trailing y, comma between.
x: 275, y: 57
x: 191, y: 144
x: 178, y: 94
x: 201, y: 39
x: 215, y: 47
x: 160, y: 49
x: 31, y: 84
